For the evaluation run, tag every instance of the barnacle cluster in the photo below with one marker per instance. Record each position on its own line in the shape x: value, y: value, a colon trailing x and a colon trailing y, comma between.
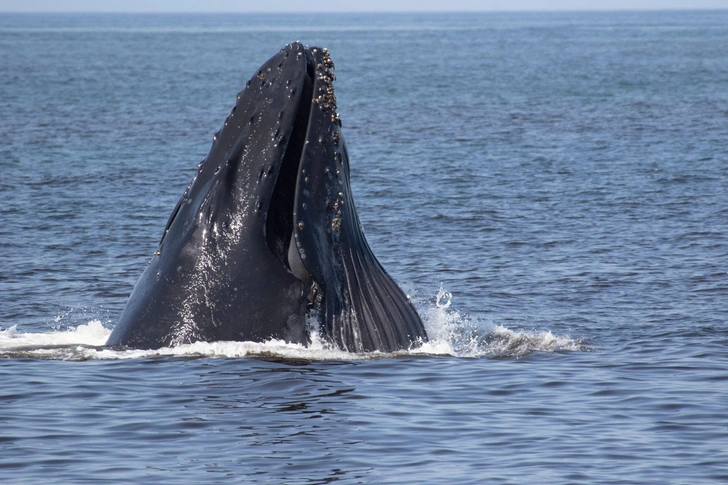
x: 327, y: 99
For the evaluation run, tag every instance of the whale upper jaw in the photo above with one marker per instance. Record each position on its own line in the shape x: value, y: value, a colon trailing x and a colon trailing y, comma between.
x: 267, y: 234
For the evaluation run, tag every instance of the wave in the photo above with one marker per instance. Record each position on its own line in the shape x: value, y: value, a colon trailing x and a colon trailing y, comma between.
x: 450, y: 333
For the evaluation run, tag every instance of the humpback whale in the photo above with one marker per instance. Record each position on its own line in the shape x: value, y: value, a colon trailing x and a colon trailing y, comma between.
x: 265, y: 242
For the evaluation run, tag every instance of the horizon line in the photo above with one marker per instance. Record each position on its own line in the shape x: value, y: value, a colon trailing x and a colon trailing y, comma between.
x: 313, y: 12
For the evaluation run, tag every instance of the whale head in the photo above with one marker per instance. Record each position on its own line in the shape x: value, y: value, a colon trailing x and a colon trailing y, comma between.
x: 265, y: 239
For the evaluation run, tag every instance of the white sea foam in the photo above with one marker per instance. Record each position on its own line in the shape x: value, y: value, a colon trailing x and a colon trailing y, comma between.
x: 91, y: 333
x: 450, y: 333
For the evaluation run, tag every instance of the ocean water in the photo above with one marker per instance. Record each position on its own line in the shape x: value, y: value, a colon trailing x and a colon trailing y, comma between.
x: 550, y: 188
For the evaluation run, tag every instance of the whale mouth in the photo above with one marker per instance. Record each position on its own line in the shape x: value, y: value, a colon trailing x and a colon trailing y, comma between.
x: 280, y: 218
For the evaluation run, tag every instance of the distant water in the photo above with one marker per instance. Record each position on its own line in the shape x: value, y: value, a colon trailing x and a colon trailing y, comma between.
x: 551, y: 189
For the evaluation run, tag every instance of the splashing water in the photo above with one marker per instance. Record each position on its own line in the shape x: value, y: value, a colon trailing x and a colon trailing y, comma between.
x: 450, y: 333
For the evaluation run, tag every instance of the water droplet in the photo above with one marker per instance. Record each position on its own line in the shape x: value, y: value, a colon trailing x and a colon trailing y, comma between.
x: 300, y: 225
x: 443, y: 299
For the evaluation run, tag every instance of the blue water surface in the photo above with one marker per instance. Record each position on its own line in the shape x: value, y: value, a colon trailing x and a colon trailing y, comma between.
x: 562, y: 175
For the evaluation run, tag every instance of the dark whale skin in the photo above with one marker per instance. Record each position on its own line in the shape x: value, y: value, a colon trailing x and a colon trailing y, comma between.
x: 266, y: 240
